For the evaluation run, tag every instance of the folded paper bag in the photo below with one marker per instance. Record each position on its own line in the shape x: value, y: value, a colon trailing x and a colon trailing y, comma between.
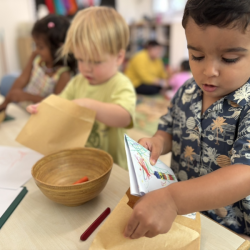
x: 183, y: 235
x: 244, y: 246
x: 59, y: 124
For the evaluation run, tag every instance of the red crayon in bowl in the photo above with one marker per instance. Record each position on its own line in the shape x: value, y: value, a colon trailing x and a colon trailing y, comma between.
x: 83, y: 179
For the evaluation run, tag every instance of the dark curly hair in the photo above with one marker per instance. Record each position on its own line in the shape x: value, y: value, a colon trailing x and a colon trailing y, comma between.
x: 151, y: 43
x: 55, y: 37
x: 220, y: 13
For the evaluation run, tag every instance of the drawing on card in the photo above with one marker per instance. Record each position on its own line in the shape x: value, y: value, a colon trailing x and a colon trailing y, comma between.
x: 10, y: 158
x: 148, y: 177
x: 15, y: 166
x: 143, y: 176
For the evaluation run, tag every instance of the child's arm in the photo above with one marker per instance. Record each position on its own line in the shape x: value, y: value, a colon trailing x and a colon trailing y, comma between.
x: 112, y: 115
x: 16, y: 93
x: 156, y: 211
x: 62, y: 82
x: 24, y: 78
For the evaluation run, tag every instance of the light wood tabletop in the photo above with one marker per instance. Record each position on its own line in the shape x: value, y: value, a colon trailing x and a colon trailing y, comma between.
x: 38, y: 223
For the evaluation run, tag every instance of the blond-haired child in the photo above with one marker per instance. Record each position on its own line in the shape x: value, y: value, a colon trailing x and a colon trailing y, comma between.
x: 206, y: 127
x: 98, y: 37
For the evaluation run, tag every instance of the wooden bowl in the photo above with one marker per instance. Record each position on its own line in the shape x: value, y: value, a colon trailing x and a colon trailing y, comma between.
x: 55, y: 174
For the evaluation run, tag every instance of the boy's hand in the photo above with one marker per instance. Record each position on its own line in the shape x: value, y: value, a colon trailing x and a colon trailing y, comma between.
x: 153, y: 214
x: 32, y: 109
x: 154, y: 145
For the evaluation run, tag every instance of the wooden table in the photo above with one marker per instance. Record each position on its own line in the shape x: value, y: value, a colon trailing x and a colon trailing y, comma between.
x: 38, y: 223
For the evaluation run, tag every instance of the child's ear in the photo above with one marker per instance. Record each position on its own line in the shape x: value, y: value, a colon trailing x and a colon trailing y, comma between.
x: 120, y: 57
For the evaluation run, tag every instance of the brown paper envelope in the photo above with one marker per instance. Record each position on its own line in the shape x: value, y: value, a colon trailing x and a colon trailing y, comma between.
x: 183, y: 235
x: 245, y: 246
x: 59, y: 124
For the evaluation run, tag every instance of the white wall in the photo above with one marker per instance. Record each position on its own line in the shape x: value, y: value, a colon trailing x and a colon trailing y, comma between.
x: 178, y: 45
x: 134, y: 10
x: 12, y: 13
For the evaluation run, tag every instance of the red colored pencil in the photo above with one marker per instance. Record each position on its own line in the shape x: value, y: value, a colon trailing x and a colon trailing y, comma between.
x: 83, y: 179
x: 95, y: 224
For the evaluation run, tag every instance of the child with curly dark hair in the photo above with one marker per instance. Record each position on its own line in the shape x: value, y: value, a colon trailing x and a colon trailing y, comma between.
x: 45, y: 73
x: 206, y: 127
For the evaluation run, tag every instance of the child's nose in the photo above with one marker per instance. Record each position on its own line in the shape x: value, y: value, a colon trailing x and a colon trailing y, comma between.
x: 88, y: 67
x: 211, y: 69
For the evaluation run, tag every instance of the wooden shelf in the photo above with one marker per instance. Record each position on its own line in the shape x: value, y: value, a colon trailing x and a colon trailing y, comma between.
x: 140, y: 33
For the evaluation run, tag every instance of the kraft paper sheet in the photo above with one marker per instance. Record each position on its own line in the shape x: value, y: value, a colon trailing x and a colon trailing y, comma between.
x: 184, y: 234
x: 244, y: 246
x: 59, y: 124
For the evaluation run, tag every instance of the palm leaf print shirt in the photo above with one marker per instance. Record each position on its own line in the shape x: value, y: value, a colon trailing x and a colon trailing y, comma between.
x: 202, y: 143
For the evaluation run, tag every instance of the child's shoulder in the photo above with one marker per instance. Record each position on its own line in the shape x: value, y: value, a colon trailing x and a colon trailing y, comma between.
x: 189, y: 87
x: 37, y: 60
x: 119, y: 75
x: 119, y: 84
x: 188, y: 91
x: 78, y: 78
x: 120, y: 80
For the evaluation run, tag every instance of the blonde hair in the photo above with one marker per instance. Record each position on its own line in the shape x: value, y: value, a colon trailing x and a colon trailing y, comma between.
x: 95, y: 31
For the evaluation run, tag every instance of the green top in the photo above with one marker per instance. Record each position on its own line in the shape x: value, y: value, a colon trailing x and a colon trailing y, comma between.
x: 117, y: 90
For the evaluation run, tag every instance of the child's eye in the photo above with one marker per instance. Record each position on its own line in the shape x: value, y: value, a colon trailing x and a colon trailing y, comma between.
x: 197, y: 58
x: 233, y: 60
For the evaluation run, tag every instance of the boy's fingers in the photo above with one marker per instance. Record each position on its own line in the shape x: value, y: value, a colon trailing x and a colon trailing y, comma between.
x: 145, y: 144
x: 139, y: 232
x: 155, y: 154
x: 131, y: 226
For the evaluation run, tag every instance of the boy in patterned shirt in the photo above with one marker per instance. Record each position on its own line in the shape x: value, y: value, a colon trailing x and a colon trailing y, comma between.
x: 207, y: 126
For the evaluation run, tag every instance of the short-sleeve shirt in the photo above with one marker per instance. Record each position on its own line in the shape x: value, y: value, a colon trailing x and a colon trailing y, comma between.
x: 117, y: 90
x: 203, y: 143
x: 141, y: 69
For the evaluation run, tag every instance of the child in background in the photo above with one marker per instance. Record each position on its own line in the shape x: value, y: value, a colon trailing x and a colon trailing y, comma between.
x: 98, y: 37
x: 146, y: 70
x: 206, y: 127
x: 178, y: 79
x: 44, y: 73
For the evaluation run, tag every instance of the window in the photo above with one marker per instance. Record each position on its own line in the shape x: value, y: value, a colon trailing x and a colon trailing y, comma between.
x: 168, y: 6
